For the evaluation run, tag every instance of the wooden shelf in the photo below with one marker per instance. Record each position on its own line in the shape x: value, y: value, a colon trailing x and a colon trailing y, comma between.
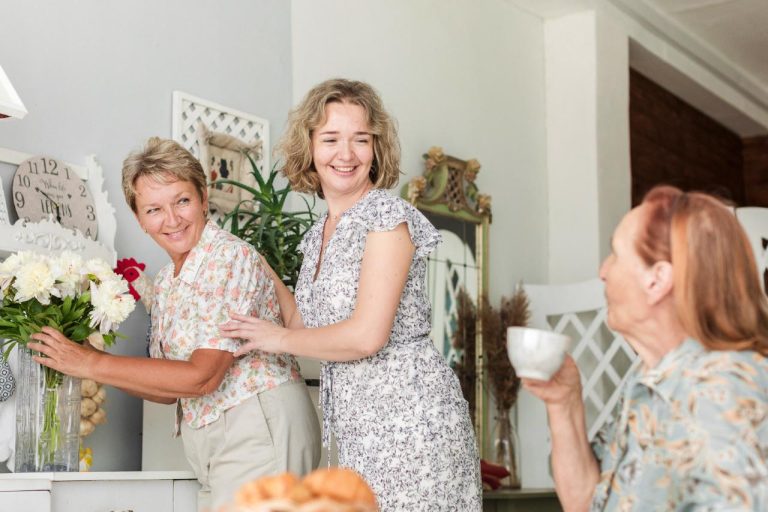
x: 521, y: 500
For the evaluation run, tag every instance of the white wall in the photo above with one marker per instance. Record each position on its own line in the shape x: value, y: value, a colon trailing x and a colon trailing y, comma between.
x: 571, y: 113
x: 467, y: 76
x: 97, y: 77
x: 588, y: 164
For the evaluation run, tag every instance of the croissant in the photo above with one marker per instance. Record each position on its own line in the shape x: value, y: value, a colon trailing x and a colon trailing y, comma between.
x: 323, y: 490
x: 340, y: 484
x: 266, y: 488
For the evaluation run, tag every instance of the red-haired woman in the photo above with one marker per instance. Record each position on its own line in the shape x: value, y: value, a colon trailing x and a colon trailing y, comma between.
x: 692, y: 428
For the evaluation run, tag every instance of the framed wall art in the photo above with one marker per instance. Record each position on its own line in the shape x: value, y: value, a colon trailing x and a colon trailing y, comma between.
x: 226, y: 157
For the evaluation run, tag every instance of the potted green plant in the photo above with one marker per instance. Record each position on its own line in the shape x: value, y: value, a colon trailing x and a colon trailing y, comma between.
x: 261, y: 221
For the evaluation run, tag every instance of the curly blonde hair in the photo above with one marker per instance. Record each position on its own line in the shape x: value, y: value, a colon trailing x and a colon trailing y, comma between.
x: 163, y: 161
x: 296, y: 144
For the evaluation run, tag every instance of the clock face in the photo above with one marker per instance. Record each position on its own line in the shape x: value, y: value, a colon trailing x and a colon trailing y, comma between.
x: 45, y: 187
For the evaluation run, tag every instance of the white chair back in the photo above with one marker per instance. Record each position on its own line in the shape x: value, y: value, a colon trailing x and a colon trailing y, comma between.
x: 604, y: 358
x: 754, y: 220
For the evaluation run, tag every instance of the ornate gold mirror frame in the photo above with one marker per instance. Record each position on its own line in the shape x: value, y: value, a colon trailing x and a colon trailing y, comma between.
x: 447, y: 194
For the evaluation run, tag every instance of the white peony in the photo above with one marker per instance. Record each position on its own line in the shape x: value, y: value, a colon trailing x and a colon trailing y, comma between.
x: 67, y: 271
x: 100, y: 269
x: 34, y: 280
x: 111, y: 304
x: 11, y: 265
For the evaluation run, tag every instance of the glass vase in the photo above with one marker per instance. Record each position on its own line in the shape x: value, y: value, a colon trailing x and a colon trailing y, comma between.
x: 505, y: 448
x: 47, y: 418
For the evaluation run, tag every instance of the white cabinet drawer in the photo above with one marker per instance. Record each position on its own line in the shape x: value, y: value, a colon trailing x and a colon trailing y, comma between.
x: 25, y: 501
x: 137, y: 491
x: 104, y: 496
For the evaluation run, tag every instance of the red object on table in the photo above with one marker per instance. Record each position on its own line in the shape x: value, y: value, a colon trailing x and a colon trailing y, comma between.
x: 491, y: 481
x: 494, y: 470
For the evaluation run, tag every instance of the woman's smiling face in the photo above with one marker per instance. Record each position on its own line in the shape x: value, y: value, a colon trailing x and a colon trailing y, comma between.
x: 172, y: 213
x: 342, y: 150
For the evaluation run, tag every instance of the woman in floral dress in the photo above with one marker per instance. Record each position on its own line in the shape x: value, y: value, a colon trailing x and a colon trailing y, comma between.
x: 393, y: 404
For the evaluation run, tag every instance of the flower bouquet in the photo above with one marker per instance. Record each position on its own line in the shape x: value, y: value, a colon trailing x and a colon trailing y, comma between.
x: 76, y: 297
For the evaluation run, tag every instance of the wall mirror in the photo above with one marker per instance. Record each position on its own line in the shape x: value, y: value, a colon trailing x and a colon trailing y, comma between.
x: 457, y: 274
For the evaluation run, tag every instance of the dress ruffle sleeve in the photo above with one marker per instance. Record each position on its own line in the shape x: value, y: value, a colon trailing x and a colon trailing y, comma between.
x: 384, y: 212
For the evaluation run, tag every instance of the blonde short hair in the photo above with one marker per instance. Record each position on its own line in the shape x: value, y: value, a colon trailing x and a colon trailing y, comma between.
x: 164, y: 161
x: 296, y: 144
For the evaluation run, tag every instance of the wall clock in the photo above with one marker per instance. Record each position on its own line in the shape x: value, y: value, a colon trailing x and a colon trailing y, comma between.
x: 44, y: 187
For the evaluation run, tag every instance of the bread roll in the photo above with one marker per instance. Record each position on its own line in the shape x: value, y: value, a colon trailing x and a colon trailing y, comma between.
x: 323, y: 490
x: 340, y: 484
x: 326, y: 505
x: 267, y: 488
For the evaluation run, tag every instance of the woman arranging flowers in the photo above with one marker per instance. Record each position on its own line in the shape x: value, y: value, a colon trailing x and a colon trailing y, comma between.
x: 73, y: 297
x: 242, y: 418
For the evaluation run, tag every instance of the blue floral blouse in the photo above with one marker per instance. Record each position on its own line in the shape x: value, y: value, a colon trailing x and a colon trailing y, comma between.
x: 692, y: 434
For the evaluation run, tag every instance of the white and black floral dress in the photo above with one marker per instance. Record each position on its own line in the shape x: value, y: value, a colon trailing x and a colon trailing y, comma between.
x: 399, y: 417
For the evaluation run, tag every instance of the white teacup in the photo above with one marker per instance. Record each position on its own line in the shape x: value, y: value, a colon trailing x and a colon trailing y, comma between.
x: 536, y: 354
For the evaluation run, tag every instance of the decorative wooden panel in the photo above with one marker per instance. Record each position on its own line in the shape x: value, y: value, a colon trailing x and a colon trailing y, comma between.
x: 189, y: 111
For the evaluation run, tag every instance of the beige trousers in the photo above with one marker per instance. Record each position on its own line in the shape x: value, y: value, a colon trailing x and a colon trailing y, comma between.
x: 272, y: 432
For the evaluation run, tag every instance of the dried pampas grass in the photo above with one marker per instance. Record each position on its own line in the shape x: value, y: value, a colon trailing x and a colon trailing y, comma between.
x: 502, y: 378
x: 464, y: 342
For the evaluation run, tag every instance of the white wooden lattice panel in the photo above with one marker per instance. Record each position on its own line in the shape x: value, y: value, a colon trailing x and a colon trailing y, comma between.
x: 755, y: 222
x: 189, y: 111
x: 603, y: 357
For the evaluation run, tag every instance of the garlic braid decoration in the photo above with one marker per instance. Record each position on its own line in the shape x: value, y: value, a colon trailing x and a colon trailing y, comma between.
x: 93, y: 395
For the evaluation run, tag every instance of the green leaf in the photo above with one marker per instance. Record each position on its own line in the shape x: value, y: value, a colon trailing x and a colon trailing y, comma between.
x: 80, y: 333
x: 8, y: 347
x: 66, y: 306
x: 259, y: 219
x: 109, y: 338
x: 256, y: 172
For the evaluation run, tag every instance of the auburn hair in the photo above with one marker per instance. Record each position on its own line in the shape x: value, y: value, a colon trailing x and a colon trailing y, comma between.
x: 716, y: 284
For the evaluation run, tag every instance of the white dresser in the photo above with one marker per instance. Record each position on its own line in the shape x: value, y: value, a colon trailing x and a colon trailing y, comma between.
x: 135, y: 491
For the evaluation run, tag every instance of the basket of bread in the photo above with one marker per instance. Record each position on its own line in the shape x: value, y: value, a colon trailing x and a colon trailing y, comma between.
x: 323, y: 490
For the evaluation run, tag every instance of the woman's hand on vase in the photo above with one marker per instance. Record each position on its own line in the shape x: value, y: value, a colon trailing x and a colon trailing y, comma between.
x: 259, y: 334
x: 62, y: 354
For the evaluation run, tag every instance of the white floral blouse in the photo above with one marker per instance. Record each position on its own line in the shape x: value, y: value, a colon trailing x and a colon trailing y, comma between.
x: 692, y: 434
x: 221, y: 274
